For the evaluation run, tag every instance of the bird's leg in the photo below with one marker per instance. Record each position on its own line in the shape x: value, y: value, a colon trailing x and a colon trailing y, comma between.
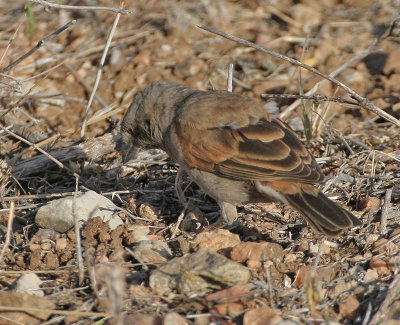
x: 178, y: 186
x: 228, y: 212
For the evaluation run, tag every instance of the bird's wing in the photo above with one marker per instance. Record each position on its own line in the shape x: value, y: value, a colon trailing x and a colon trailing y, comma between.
x: 241, y: 142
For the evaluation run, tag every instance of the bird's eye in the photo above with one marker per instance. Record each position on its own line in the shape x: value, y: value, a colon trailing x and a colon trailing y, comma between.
x: 147, y: 125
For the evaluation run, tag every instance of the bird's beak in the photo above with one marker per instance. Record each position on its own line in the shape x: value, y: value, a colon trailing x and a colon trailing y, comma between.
x: 129, y: 152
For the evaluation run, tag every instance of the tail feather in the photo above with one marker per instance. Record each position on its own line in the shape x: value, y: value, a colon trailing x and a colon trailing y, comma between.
x: 323, y: 214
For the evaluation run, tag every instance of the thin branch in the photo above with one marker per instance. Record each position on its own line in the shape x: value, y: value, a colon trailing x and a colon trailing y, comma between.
x: 57, y: 162
x: 10, y: 77
x: 82, y: 54
x: 22, y: 207
x: 319, y: 253
x: 19, y: 101
x: 391, y: 240
x: 9, y: 229
x: 385, y: 210
x: 367, y: 315
x: 58, y: 6
x: 9, y: 43
x: 230, y: 76
x: 38, y: 45
x: 53, y: 311
x: 99, y: 72
x: 316, y: 98
x: 335, y: 73
x: 64, y: 194
x: 79, y: 258
x: 180, y: 218
x: 365, y: 103
x: 91, y: 149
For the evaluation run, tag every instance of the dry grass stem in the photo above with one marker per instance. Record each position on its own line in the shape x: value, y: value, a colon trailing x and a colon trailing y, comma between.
x: 9, y: 230
x: 385, y: 210
x: 77, y: 228
x: 38, y: 45
x: 230, y: 76
x: 120, y: 11
x: 99, y: 72
x: 365, y: 103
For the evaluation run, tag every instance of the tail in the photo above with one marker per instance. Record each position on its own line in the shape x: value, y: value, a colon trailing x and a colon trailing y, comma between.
x: 323, y: 214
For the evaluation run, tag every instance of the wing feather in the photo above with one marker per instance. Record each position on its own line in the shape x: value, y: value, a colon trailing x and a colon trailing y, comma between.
x: 241, y: 146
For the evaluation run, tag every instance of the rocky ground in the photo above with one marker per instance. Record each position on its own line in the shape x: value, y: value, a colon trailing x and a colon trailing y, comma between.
x: 143, y: 257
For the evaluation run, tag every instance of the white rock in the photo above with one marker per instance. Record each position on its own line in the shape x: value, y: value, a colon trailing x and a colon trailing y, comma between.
x: 58, y: 214
x: 29, y: 283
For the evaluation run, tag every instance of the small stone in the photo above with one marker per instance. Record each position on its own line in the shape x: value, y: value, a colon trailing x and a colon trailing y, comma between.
x: 59, y: 215
x: 261, y: 316
x: 343, y: 286
x: 379, y: 246
x: 148, y: 212
x: 216, y: 240
x: 198, y: 274
x: 34, y: 247
x: 315, y: 248
x: 370, y: 203
x: 142, y: 319
x: 65, y: 257
x: 302, y: 247
x: 46, y: 246
x: 348, y: 307
x: 61, y: 243
x: 371, y: 238
x: 173, y: 318
x: 35, y: 259
x: 231, y: 309
x: 29, y: 283
x: 290, y: 258
x: 256, y: 253
x: 379, y: 265
x: 237, y: 290
x: 324, y: 273
x: 370, y: 275
x: 43, y: 235
x: 148, y: 251
x: 51, y: 260
x: 137, y: 234
x: 202, y: 320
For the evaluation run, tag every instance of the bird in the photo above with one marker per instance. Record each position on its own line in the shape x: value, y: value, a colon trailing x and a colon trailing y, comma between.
x: 232, y: 148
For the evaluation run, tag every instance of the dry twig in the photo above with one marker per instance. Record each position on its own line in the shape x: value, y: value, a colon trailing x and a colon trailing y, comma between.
x: 99, y: 72
x: 91, y: 149
x: 363, y: 102
x: 230, y: 76
x: 9, y: 229
x: 59, y: 6
x: 38, y: 45
x: 316, y: 98
x: 47, y: 155
x: 79, y: 258
x: 385, y: 209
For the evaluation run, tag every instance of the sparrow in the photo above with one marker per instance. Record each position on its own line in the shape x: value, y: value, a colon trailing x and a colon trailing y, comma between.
x: 231, y: 147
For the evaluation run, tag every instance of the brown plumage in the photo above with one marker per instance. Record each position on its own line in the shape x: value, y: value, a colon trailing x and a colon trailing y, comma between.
x: 229, y: 145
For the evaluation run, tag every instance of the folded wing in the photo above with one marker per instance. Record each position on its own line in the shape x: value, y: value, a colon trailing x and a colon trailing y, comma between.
x: 242, y: 146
